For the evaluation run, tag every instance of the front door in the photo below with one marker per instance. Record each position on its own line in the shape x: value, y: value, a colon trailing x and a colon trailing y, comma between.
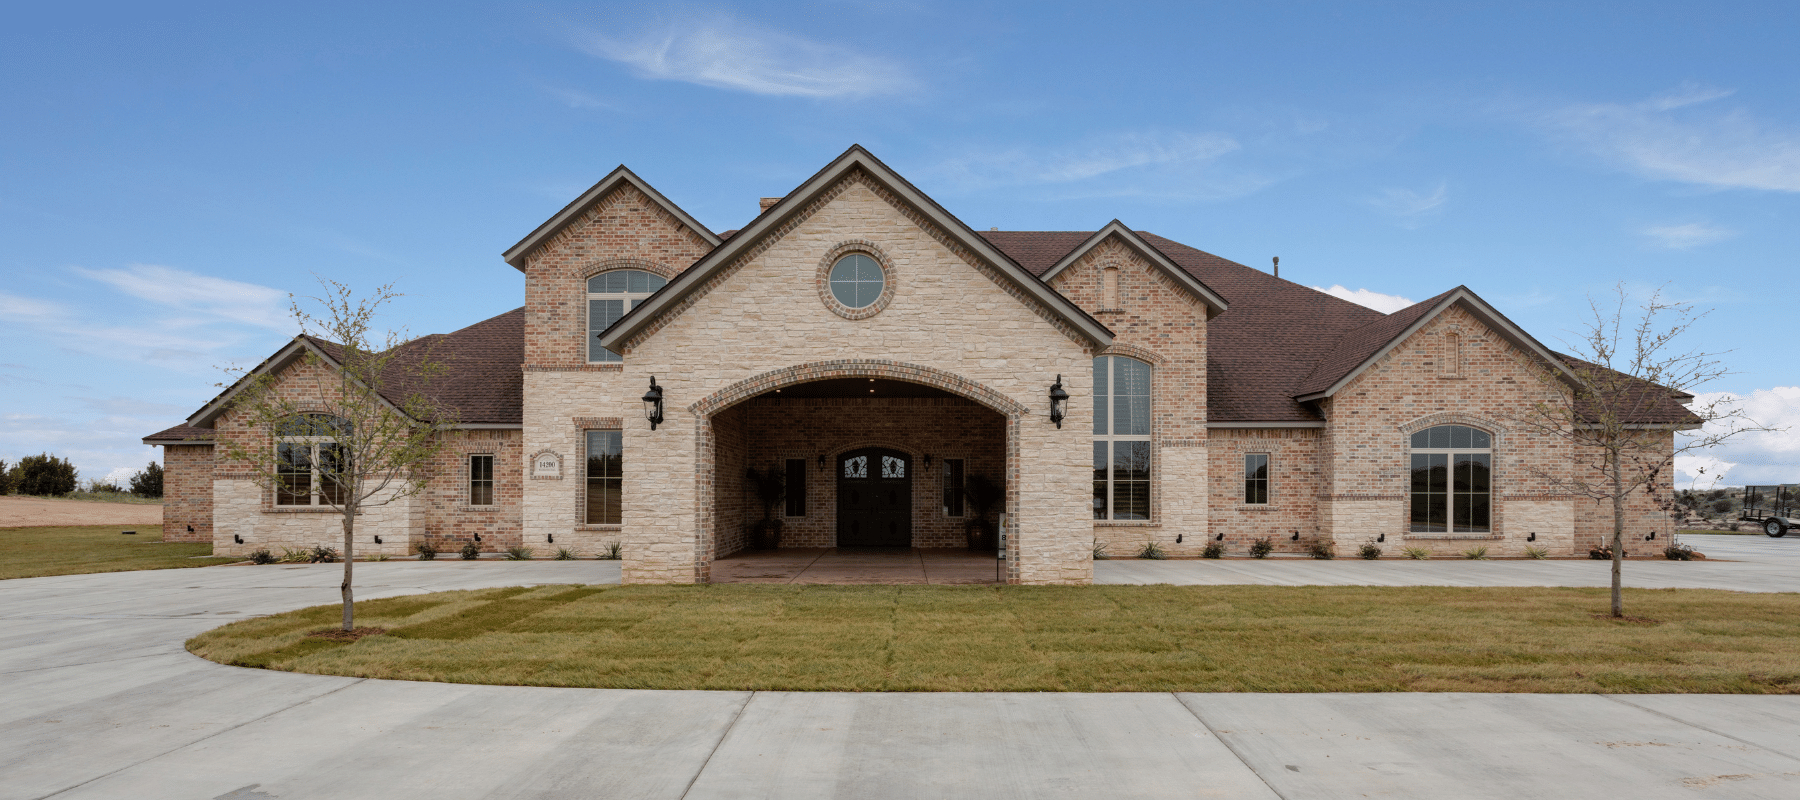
x: 874, y: 490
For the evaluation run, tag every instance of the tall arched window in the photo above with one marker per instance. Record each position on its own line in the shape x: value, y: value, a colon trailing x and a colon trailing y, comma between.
x: 610, y: 295
x: 1452, y: 480
x: 1121, y: 438
x: 311, y: 465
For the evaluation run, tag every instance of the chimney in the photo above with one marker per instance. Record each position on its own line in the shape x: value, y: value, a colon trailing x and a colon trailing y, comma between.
x: 765, y: 203
x: 1278, y: 266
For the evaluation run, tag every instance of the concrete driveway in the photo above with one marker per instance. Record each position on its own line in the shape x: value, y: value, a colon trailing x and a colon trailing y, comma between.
x: 98, y: 699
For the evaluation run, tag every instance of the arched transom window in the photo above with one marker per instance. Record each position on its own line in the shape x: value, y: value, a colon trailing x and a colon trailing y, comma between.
x: 312, y: 467
x: 1121, y: 438
x: 610, y: 295
x: 1452, y: 480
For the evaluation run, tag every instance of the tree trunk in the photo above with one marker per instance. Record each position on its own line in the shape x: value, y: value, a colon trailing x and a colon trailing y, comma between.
x: 349, y: 562
x: 1618, y: 538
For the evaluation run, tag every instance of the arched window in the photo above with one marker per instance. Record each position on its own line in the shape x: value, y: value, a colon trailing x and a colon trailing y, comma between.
x: 1452, y: 480
x: 610, y: 295
x: 1121, y: 438
x: 311, y: 466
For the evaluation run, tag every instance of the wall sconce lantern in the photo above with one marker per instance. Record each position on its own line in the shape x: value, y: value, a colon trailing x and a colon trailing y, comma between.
x: 1059, y: 401
x: 928, y: 461
x: 821, y: 461
x: 653, y: 404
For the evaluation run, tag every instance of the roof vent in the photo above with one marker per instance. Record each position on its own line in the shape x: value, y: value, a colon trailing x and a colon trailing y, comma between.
x: 766, y: 203
x: 1278, y: 266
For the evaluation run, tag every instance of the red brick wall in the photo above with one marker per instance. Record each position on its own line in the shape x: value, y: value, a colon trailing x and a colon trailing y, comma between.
x: 732, y: 502
x: 450, y: 521
x: 623, y: 230
x: 187, y: 492
x: 1294, y: 469
x: 1644, y: 511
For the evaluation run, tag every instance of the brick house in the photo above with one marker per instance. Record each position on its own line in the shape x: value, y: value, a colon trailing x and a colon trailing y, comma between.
x: 880, y: 354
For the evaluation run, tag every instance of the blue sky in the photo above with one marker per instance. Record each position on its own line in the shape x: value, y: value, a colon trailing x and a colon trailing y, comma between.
x: 169, y: 173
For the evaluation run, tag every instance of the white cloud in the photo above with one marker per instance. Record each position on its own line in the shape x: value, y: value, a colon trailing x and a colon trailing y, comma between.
x: 725, y: 53
x: 1384, y: 303
x: 1679, y: 136
x: 1685, y: 236
x: 1093, y: 158
x: 247, y: 303
x: 1411, y: 208
x: 1751, y: 458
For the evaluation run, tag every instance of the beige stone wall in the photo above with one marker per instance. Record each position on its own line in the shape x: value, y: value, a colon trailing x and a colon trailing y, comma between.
x: 1294, y: 475
x: 187, y: 493
x: 1154, y: 320
x: 765, y: 312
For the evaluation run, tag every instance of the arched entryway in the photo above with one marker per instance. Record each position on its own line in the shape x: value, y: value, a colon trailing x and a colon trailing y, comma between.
x: 874, y: 499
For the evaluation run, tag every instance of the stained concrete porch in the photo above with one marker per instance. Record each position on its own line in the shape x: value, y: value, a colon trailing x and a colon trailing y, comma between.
x: 831, y: 565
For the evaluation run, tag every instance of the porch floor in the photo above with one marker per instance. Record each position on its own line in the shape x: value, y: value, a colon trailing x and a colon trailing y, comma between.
x: 831, y: 565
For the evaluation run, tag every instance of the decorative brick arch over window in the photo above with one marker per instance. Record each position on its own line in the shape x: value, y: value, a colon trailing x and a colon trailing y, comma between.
x: 1456, y: 418
x: 593, y: 268
x: 890, y: 278
x: 1133, y: 351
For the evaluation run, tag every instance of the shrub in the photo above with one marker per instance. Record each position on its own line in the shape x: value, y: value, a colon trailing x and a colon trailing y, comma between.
x: 518, y: 552
x: 148, y: 482
x: 1322, y: 549
x: 1417, y: 553
x: 426, y: 551
x: 1261, y: 548
x: 262, y: 557
x: 1476, y: 554
x: 378, y: 556
x: 291, y: 555
x: 1100, y: 551
x: 320, y: 554
x: 1153, y: 551
x: 1678, y: 552
x: 1537, y: 552
x: 564, y: 554
x: 1214, y: 549
x: 1369, y: 551
x: 470, y: 551
x: 1600, y: 554
x: 101, y: 486
x: 613, y: 551
x: 45, y: 475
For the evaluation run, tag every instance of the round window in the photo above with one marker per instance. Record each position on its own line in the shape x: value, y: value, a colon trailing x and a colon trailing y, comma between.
x: 856, y: 281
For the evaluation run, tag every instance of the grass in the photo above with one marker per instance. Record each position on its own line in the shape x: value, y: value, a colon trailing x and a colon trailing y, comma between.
x: 36, y: 552
x: 1085, y: 639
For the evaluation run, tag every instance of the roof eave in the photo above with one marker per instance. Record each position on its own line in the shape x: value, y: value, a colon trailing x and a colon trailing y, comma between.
x: 515, y: 255
x: 1215, y: 305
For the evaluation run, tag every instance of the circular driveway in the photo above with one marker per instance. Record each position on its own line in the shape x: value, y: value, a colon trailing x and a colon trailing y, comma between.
x: 101, y: 700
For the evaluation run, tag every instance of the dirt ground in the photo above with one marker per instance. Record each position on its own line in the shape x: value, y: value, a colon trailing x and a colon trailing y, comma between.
x: 31, y: 512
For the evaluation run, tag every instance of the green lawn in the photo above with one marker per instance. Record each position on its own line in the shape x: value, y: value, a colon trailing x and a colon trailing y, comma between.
x: 35, y: 552
x: 1088, y: 639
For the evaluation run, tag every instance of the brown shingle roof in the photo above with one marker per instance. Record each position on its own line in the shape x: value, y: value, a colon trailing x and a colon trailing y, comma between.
x: 180, y: 434
x: 481, y: 381
x: 1357, y: 345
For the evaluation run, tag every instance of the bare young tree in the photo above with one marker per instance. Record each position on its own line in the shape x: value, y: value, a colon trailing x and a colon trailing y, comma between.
x: 351, y: 425
x: 1624, y: 402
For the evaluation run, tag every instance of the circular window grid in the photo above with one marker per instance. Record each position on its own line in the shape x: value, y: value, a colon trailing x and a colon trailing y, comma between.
x: 890, y: 282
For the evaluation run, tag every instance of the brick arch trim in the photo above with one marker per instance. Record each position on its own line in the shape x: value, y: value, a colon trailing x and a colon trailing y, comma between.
x: 593, y: 268
x: 1456, y: 418
x: 1147, y: 356
x: 856, y: 368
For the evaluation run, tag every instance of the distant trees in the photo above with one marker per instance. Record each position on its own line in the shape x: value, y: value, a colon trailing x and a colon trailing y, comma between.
x: 7, y: 478
x: 148, y: 482
x: 44, y: 475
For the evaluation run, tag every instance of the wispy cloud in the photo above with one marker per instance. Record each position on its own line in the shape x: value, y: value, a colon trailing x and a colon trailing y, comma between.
x: 1088, y: 159
x: 1751, y: 458
x: 575, y: 98
x: 237, y: 301
x: 1685, y: 236
x: 1682, y: 136
x: 1384, y: 303
x: 717, y: 50
x: 1411, y: 208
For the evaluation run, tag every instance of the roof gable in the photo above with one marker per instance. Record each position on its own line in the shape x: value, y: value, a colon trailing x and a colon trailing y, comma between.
x: 775, y: 221
x: 1215, y: 305
x: 516, y: 254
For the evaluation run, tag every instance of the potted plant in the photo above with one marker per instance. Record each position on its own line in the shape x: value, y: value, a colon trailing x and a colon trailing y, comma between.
x: 981, y: 493
x: 771, y: 488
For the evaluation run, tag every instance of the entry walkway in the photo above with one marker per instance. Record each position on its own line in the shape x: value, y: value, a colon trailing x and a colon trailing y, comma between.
x: 842, y: 566
x: 102, y: 701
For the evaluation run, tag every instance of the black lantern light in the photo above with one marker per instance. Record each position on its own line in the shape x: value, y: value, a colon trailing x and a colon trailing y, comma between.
x: 653, y: 404
x: 1059, y: 402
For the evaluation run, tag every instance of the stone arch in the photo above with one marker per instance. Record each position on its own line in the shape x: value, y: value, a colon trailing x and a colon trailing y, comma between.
x: 1145, y: 355
x: 1455, y: 418
x: 592, y: 268
x: 856, y: 368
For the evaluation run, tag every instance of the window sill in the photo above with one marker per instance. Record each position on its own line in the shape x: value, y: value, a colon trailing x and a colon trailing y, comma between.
x: 1410, y: 535
x: 1256, y: 507
x: 300, y: 510
x: 478, y: 508
x: 585, y: 527
x: 1127, y: 523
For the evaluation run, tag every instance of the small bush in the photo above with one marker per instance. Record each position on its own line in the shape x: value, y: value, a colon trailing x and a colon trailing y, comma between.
x: 1537, y: 552
x: 1600, y: 554
x: 471, y: 551
x: 1213, y: 550
x: 1678, y: 552
x: 320, y: 554
x: 1476, y: 554
x: 518, y: 552
x: 262, y: 557
x: 1100, y: 551
x: 292, y: 555
x: 1369, y: 551
x: 613, y: 551
x: 1261, y: 548
x: 564, y: 554
x: 378, y: 556
x: 1152, y: 551
x: 426, y: 551
x: 1322, y: 549
x: 1417, y: 553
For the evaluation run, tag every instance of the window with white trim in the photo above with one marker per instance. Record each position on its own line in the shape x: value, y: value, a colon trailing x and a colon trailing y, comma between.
x: 311, y: 467
x: 481, y: 480
x: 610, y: 295
x: 1121, y: 438
x: 1452, y: 480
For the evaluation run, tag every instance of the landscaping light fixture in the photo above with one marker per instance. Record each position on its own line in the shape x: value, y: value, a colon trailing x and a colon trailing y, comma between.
x: 1178, y: 538
x: 1295, y: 537
x: 653, y: 404
x: 378, y: 539
x: 1059, y: 401
x: 237, y: 538
x: 1381, y: 538
x: 550, y: 537
x: 190, y: 529
x: 1651, y: 537
x: 1219, y: 538
x: 1532, y: 537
